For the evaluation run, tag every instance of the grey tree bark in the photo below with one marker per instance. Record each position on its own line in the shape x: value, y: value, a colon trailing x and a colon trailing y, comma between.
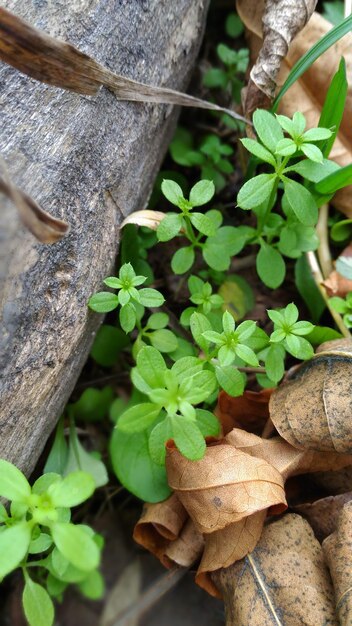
x: 89, y: 161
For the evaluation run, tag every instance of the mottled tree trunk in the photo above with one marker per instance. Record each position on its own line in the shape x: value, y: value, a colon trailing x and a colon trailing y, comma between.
x: 89, y: 161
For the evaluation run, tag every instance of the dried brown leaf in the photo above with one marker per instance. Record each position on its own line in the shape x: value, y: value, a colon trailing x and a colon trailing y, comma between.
x: 45, y: 227
x: 313, y: 409
x: 335, y: 483
x: 223, y: 487
x: 323, y: 514
x: 187, y: 548
x: 338, y: 552
x: 148, y: 218
x: 226, y: 546
x: 284, y: 581
x: 249, y: 411
x: 281, y: 21
x: 52, y: 61
x: 336, y: 284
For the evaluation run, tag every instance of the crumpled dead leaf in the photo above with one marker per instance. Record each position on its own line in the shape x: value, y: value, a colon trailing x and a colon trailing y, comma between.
x: 336, y: 284
x: 223, y: 487
x: 45, y: 227
x: 283, y: 581
x: 52, y: 61
x: 281, y: 21
x: 313, y: 409
x: 146, y: 217
x: 308, y: 93
x: 338, y: 553
x: 323, y: 514
x: 249, y: 411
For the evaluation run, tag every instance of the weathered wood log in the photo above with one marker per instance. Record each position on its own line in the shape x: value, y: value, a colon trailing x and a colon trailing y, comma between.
x: 89, y: 161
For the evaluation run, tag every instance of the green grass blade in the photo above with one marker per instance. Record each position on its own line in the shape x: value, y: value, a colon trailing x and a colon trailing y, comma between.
x: 334, y: 105
x: 335, y: 181
x: 312, y: 55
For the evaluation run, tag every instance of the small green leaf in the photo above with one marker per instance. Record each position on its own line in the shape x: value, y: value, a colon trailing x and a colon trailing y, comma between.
x: 92, y: 586
x: 80, y: 459
x: 268, y: 129
x: 14, y: 543
x: 317, y: 134
x: 93, y: 405
x: 209, y: 425
x: 108, y: 344
x: 138, y: 417
x: 203, y: 224
x: 37, y: 604
x: 301, y: 202
x: 163, y: 340
x: 113, y: 282
x: 57, y: 458
x: 230, y: 379
x: 199, y: 325
x: 312, y: 152
x: 157, y: 440
x: 335, y: 181
x: 227, y: 242
x: 286, y: 147
x: 127, y: 317
x: 172, y: 191
x: 151, y: 366
x: 40, y: 544
x: 13, y: 484
x: 188, y: 438
x: 103, y: 302
x: 299, y: 347
x: 320, y: 334
x: 151, y: 297
x: 233, y: 25
x: 158, y: 320
x: 72, y: 490
x: 186, y: 367
x: 259, y: 151
x: 169, y: 227
x: 256, y: 191
x: 270, y: 266
x: 182, y: 260
x: 76, y: 545
x: 313, y: 171
x: 202, y: 192
x: 341, y: 230
x: 215, y: 77
x: 275, y: 363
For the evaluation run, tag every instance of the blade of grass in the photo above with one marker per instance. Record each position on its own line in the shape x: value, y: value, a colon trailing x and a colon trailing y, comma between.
x: 334, y: 106
x: 335, y: 181
x: 323, y: 44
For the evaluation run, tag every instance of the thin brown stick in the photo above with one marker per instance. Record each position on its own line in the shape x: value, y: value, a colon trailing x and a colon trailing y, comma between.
x: 324, y: 254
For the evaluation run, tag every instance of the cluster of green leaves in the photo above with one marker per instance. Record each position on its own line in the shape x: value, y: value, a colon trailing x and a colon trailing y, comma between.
x: 131, y: 300
x: 230, y: 76
x: 343, y: 306
x: 204, y: 231
x: 292, y: 234
x: 37, y: 532
x: 207, y: 302
x: 210, y: 156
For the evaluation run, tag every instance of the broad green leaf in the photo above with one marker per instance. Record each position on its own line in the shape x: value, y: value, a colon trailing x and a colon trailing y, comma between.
x: 227, y: 242
x: 151, y: 297
x: 230, y: 379
x: 320, y: 334
x: 74, y: 489
x: 256, y: 191
x: 335, y: 181
x: 186, y: 367
x: 13, y: 484
x: 37, y: 604
x: 267, y: 128
x: 158, y: 320
x: 182, y: 260
x: 138, y: 417
x: 93, y: 405
x: 237, y: 295
x: 301, y: 202
x: 135, y: 468
x: 334, y: 105
x: 14, y: 543
x: 215, y: 77
x: 202, y: 192
x: 57, y: 458
x: 304, y: 63
x: 208, y: 424
x: 127, y: 317
x: 108, y: 344
x: 308, y: 290
x: 92, y: 586
x: 341, y: 230
x: 299, y: 347
x: 188, y: 438
x: 312, y: 152
x: 203, y: 224
x: 314, y: 171
x: 270, y: 266
x: 163, y: 340
x: 259, y: 151
x: 233, y: 25
x: 286, y: 147
x: 79, y: 459
x: 40, y: 544
x: 54, y: 586
x: 103, y: 302
x: 172, y: 191
x: 45, y: 481
x: 199, y: 325
x: 157, y: 440
x: 151, y: 366
x: 275, y: 363
x: 76, y: 545
x: 201, y: 386
x: 169, y: 227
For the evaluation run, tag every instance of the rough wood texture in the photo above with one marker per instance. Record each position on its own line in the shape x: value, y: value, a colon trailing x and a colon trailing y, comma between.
x: 89, y: 161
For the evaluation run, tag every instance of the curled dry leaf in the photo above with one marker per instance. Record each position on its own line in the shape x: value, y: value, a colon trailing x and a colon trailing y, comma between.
x: 148, y: 218
x: 308, y: 93
x: 283, y: 581
x: 187, y: 548
x: 52, y: 61
x: 323, y: 514
x: 45, y: 227
x: 338, y: 552
x: 223, y: 487
x: 249, y: 411
x: 312, y: 410
x: 336, y: 284
x: 281, y: 21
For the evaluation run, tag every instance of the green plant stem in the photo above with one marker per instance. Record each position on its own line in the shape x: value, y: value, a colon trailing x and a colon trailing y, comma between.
x: 318, y: 277
x: 324, y: 255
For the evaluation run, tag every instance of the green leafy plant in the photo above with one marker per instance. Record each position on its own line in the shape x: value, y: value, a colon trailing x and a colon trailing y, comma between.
x: 201, y: 294
x: 128, y: 297
x: 210, y: 156
x: 204, y: 231
x: 37, y: 536
x: 343, y: 306
x: 230, y: 76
